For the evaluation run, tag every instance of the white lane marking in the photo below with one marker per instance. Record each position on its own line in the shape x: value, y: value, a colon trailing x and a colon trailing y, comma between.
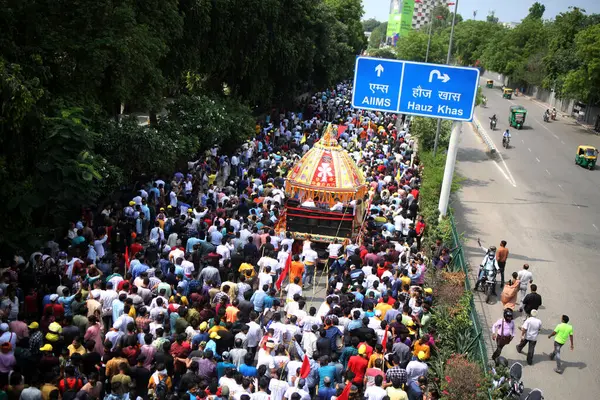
x: 561, y: 188
x: 594, y: 225
x: 555, y: 137
x: 522, y: 141
x: 529, y: 149
x: 538, y: 160
x: 510, y: 179
x: 562, y: 142
x: 548, y: 172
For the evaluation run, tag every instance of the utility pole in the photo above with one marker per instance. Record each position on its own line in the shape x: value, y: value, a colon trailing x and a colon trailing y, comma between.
x: 439, y: 122
x: 449, y: 169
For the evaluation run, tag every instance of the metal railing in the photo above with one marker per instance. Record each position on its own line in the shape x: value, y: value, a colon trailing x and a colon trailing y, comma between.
x: 460, y: 263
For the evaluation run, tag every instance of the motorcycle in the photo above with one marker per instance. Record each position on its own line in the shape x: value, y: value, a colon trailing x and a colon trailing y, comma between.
x: 553, y: 115
x: 484, y: 101
x: 535, y: 394
x: 515, y: 384
x: 493, y: 124
x: 546, y: 117
x: 487, y: 284
x: 505, y: 142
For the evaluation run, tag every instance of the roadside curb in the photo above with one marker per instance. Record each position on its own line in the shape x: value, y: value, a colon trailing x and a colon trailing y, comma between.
x: 484, y: 135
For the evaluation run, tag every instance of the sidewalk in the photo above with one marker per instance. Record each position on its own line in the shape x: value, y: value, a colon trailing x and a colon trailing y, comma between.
x: 588, y: 127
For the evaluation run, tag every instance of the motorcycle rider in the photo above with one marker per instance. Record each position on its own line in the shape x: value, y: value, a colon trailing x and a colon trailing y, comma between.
x: 547, y: 114
x: 488, y: 265
x: 505, y: 136
x: 493, y: 120
x: 553, y: 113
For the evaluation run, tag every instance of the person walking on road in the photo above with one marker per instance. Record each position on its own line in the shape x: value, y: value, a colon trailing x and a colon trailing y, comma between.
x: 563, y: 331
x: 529, y: 334
x: 532, y: 301
x: 525, y: 279
x: 503, y: 332
x: 501, y: 256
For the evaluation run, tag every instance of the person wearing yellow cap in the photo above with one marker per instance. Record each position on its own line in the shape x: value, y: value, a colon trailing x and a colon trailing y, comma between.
x: 416, y: 367
x: 422, y: 346
x: 358, y: 365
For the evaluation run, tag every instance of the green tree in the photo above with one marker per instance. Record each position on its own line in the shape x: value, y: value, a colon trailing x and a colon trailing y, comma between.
x: 378, y: 35
x: 414, y: 47
x: 584, y: 82
x: 425, y: 129
x: 383, y: 53
x: 491, y: 17
x: 471, y: 39
x: 536, y: 11
x: 370, y: 24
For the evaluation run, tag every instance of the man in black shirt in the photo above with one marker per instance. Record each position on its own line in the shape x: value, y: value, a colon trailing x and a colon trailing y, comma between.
x: 364, y: 332
x: 141, y: 376
x: 532, y: 301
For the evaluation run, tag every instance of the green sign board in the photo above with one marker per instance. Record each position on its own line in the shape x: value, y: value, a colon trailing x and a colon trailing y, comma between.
x: 400, y: 19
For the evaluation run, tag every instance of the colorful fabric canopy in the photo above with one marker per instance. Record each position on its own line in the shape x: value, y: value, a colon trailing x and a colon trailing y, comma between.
x: 327, y: 172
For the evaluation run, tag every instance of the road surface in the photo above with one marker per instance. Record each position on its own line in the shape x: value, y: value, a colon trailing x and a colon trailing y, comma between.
x: 548, y: 210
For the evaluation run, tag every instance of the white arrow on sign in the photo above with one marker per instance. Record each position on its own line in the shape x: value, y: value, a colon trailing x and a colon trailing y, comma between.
x: 379, y: 70
x: 442, y: 77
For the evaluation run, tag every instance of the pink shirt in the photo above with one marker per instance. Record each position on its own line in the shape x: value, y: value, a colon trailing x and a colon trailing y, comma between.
x: 20, y: 329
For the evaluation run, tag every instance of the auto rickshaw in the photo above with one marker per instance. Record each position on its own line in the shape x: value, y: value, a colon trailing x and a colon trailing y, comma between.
x: 586, y: 156
x: 490, y: 83
x: 507, y: 93
x: 516, y: 116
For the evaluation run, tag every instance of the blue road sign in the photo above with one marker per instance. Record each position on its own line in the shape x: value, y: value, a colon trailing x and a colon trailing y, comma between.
x: 406, y: 87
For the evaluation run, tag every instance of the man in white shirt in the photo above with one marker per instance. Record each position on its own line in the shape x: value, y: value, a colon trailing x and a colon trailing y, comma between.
x: 530, y: 330
x: 376, y: 392
x: 338, y: 206
x: 224, y: 249
x: 157, y: 234
x: 525, y: 279
x: 309, y: 257
x: 293, y: 289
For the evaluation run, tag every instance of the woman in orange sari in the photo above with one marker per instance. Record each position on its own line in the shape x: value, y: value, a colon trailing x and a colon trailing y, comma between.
x: 509, y: 293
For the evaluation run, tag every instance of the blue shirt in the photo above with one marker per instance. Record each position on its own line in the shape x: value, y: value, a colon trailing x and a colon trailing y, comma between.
x: 66, y: 302
x: 222, y: 366
x: 189, y: 247
x: 413, y: 390
x: 326, y: 393
x: 326, y: 370
x: 247, y: 370
x: 258, y: 300
x: 268, y: 302
x: 215, y: 238
x: 138, y: 269
x: 118, y: 307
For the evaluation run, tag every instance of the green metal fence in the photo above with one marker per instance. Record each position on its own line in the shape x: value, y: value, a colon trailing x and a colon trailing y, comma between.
x: 460, y: 263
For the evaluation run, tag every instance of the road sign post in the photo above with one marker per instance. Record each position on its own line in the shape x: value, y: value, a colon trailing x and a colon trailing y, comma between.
x: 428, y: 90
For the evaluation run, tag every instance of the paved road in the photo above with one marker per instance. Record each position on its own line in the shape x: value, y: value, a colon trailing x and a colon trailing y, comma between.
x: 548, y: 210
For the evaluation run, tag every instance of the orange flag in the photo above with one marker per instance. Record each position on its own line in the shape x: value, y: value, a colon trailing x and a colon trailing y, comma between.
x: 127, y: 257
x: 284, y: 273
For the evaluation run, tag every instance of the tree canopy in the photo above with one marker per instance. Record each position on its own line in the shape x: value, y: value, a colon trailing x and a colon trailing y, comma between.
x: 69, y: 73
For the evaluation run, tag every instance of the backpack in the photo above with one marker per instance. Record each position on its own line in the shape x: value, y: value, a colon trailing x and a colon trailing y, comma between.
x: 161, y: 387
x: 70, y: 392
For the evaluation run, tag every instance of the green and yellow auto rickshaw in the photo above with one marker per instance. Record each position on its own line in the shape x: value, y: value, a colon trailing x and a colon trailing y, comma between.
x: 490, y: 83
x: 586, y: 156
x: 507, y: 93
x: 516, y: 116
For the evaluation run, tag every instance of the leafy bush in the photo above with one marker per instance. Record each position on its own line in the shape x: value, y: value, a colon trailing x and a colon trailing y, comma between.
x: 425, y: 128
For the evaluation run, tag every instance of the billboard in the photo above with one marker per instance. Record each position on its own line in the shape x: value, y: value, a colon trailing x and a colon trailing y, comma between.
x: 400, y: 19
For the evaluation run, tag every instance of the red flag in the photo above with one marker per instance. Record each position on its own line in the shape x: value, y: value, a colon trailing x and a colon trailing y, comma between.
x: 385, y: 337
x: 346, y: 392
x: 305, y: 369
x: 127, y: 257
x: 341, y: 129
x: 284, y: 273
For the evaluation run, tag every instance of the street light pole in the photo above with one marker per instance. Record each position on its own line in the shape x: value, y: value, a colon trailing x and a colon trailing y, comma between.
x: 429, y: 40
x: 439, y: 122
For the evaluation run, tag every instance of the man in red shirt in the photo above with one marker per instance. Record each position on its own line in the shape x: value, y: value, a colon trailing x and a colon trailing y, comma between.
x: 180, y: 350
x: 358, y: 365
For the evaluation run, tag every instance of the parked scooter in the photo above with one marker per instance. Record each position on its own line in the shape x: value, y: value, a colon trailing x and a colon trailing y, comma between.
x: 515, y: 384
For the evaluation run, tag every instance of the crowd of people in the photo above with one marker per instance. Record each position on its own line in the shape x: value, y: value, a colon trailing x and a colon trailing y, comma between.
x: 177, y: 294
